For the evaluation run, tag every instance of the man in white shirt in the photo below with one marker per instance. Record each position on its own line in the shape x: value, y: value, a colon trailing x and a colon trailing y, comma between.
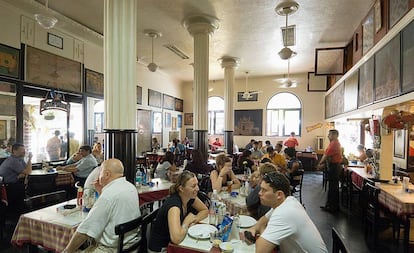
x: 286, y: 224
x: 117, y: 203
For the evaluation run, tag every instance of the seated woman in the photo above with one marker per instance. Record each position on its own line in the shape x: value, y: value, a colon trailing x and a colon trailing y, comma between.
x: 245, y: 157
x: 293, y: 165
x: 198, y: 164
x: 224, y: 174
x: 362, y: 154
x: 180, y: 210
x: 154, y: 144
x: 254, y: 207
x: 166, y: 167
x: 97, y: 152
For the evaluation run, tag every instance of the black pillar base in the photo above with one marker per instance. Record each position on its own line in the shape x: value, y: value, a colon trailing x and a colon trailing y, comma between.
x: 121, y: 144
x: 201, y: 141
x: 228, y: 141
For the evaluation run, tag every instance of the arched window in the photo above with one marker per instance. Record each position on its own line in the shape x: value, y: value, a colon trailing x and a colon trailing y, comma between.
x: 215, y: 115
x: 284, y: 115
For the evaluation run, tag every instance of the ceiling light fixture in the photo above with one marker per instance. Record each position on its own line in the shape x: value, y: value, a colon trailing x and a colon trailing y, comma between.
x: 153, y: 34
x: 44, y: 20
x: 286, y: 8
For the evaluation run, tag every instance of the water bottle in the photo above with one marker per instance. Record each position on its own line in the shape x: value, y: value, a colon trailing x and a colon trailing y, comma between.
x: 144, y: 177
x: 213, y: 208
x: 236, y: 227
x: 138, y: 178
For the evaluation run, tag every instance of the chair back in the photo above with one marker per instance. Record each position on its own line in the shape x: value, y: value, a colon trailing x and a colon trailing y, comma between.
x: 371, y: 193
x: 145, y: 232
x: 122, y: 229
x: 40, y: 184
x: 297, y: 182
x: 337, y: 242
x: 44, y: 200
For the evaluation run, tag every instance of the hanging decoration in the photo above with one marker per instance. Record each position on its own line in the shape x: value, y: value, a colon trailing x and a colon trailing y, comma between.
x: 54, y: 101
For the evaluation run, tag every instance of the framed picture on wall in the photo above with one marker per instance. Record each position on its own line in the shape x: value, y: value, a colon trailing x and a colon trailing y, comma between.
x: 400, y: 143
x: 407, y: 58
x: 248, y: 122
x: 368, y: 33
x: 94, y: 82
x: 167, y: 119
x: 179, y: 121
x: 179, y: 104
x: 168, y: 102
x: 377, y: 15
x: 330, y: 61
x: 174, y: 123
x: 397, y: 9
x: 387, y: 70
x: 188, y: 118
x: 317, y: 83
x: 139, y: 95
x: 366, y: 83
x: 154, y: 98
x: 3, y: 129
x: 10, y: 59
x: 156, y: 122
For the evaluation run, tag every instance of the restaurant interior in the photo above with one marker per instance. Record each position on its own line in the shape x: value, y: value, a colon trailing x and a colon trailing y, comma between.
x: 266, y: 69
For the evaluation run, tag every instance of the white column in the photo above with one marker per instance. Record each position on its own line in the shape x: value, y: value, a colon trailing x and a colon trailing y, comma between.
x: 230, y: 65
x: 120, y: 43
x: 201, y: 27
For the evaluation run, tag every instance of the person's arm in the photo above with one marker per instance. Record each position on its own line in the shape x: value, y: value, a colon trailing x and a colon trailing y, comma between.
x: 263, y: 246
x: 321, y: 164
x: 236, y: 182
x: 216, y: 180
x: 28, y: 168
x: 295, y: 166
x: 75, y: 242
x: 258, y: 228
x: 178, y: 231
x: 202, y: 210
x: 69, y: 168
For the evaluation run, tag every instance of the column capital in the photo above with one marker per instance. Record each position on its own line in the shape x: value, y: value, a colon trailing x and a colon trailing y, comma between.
x: 229, y: 62
x: 201, y: 23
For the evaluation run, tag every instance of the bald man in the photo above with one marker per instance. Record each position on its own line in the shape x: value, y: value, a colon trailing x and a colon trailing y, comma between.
x: 117, y: 203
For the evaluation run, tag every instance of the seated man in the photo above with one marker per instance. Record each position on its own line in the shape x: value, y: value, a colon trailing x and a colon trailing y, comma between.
x: 117, y: 203
x: 13, y: 170
x: 83, y: 167
x: 277, y: 159
x: 286, y: 224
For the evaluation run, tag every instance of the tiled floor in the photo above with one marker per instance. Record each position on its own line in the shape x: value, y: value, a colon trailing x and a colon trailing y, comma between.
x: 349, y: 224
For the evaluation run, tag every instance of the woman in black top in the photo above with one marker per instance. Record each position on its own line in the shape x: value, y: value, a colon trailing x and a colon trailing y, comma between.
x: 198, y: 165
x: 180, y: 210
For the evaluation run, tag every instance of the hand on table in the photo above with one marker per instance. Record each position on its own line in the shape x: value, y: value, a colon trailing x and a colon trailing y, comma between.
x: 190, y: 219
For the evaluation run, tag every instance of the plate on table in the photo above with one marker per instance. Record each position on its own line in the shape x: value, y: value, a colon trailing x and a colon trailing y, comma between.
x: 247, y: 221
x: 201, y: 231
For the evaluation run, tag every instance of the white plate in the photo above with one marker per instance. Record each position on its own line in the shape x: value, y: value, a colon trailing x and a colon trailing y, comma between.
x: 226, y: 247
x: 201, y: 231
x: 247, y: 221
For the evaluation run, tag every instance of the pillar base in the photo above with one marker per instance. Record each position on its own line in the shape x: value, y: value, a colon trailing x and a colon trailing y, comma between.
x: 201, y: 141
x: 228, y: 141
x: 121, y: 144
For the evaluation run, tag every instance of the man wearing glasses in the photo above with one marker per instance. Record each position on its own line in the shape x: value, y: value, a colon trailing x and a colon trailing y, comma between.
x: 332, y: 158
x: 287, y: 224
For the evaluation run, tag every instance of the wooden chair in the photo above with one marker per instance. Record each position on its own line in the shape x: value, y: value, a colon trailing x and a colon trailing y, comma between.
x: 376, y: 217
x: 145, y: 232
x: 297, y: 181
x: 124, y: 228
x: 44, y: 200
x: 337, y: 242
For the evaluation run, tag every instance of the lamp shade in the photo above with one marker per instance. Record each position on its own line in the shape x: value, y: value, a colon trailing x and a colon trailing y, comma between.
x: 47, y: 22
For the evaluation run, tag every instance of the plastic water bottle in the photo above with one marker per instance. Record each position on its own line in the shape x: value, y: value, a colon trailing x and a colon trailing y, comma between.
x: 138, y: 178
x: 144, y: 177
x: 213, y: 208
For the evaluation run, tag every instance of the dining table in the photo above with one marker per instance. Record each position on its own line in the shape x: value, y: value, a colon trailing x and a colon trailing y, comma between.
x: 63, y: 178
x: 52, y: 227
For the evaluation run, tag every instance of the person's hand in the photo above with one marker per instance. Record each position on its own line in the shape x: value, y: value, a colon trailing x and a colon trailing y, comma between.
x: 30, y: 156
x: 224, y: 171
x: 97, y: 186
x: 320, y: 166
x: 190, y: 219
x: 59, y: 168
x: 250, y: 236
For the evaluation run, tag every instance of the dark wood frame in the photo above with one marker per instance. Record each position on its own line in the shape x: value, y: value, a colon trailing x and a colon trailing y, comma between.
x: 312, y: 75
x: 179, y: 105
x: 318, y: 55
x: 13, y: 54
x: 154, y: 98
x: 94, y: 82
x: 54, y: 40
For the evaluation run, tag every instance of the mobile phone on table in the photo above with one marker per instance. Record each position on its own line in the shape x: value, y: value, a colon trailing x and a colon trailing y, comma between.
x: 249, y: 237
x: 69, y: 206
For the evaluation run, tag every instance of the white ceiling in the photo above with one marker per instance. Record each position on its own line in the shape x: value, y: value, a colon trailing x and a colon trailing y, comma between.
x: 249, y: 30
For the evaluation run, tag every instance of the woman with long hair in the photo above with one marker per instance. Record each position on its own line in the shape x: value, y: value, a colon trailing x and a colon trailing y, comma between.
x: 224, y: 174
x: 198, y: 164
x: 166, y: 167
x: 180, y: 210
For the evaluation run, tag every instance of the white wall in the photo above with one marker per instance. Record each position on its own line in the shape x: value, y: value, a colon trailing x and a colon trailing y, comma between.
x: 313, y: 105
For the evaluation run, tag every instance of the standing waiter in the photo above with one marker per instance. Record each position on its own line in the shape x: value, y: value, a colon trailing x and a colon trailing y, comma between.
x: 333, y: 159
